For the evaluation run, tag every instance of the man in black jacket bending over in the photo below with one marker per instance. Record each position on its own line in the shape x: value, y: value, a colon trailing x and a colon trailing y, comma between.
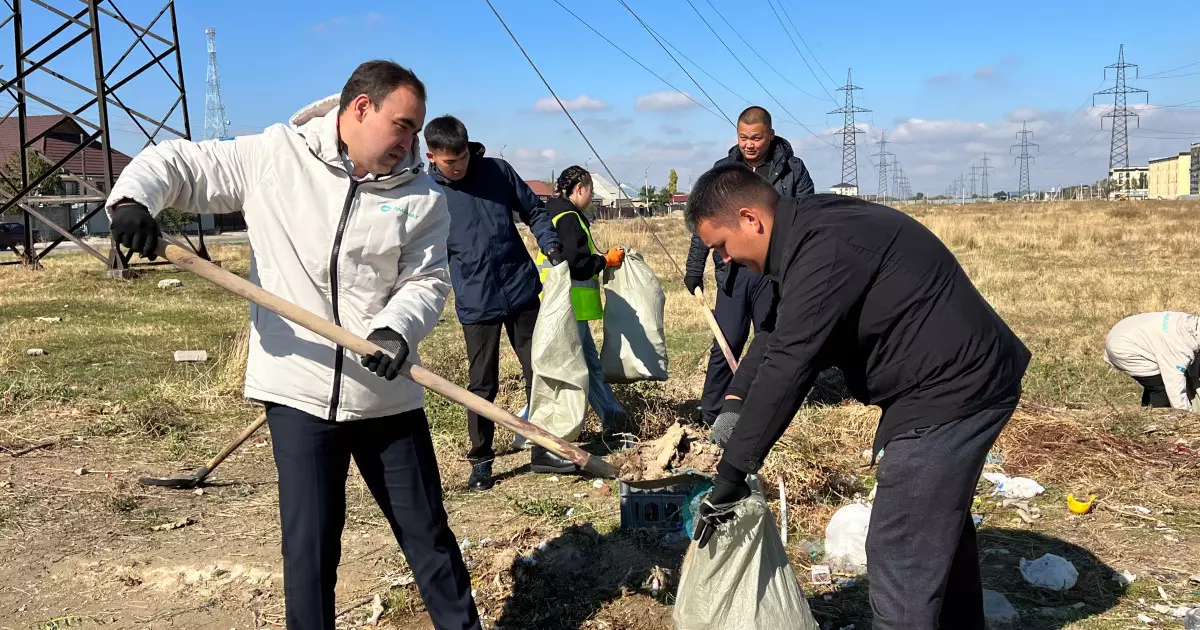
x: 744, y: 296
x: 872, y: 291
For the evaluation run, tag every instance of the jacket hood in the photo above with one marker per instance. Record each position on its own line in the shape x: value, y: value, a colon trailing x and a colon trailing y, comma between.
x: 476, y: 149
x: 780, y: 150
x: 317, y: 123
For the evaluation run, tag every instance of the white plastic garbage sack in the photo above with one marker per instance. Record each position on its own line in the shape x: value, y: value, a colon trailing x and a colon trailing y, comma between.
x: 1014, y: 487
x: 846, y: 539
x: 741, y: 578
x: 1050, y: 572
x: 635, y: 344
x: 558, y: 395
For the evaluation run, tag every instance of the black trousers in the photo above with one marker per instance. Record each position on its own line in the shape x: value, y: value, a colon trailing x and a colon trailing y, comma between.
x: 922, y: 555
x: 751, y: 299
x: 1154, y: 390
x: 395, y: 456
x: 483, y: 357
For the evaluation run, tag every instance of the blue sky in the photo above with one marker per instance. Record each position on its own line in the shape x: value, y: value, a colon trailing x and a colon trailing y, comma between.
x: 948, y: 81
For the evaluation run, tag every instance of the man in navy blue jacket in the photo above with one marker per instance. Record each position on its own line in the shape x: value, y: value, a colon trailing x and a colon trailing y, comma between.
x: 495, y: 282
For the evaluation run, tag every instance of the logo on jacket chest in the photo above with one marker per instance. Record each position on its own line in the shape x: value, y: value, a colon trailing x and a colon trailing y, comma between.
x: 399, y: 209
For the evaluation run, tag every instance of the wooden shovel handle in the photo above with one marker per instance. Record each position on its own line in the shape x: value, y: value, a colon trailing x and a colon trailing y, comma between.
x: 239, y: 286
x: 716, y: 330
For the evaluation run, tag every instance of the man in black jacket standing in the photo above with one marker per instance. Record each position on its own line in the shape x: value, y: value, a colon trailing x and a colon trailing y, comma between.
x: 495, y: 282
x: 872, y: 291
x: 743, y: 296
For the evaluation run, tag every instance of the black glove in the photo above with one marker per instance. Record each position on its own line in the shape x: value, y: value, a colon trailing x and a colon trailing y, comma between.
x: 693, y: 282
x: 555, y: 255
x: 729, y: 488
x: 134, y: 228
x: 380, y: 363
x: 727, y: 420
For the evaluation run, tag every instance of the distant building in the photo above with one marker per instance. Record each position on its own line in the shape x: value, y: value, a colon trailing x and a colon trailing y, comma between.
x: 607, y: 195
x: 1195, y: 167
x: 850, y: 190
x: 1170, y: 177
x: 1127, y: 178
x: 540, y: 188
x: 679, y: 198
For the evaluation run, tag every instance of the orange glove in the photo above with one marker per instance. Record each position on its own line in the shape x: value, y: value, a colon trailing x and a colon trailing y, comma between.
x: 614, y: 257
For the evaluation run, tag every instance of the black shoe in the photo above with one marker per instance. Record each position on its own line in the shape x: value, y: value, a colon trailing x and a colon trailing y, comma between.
x: 481, y: 476
x: 543, y: 461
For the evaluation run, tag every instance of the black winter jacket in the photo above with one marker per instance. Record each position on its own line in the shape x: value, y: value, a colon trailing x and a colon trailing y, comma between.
x: 582, y: 263
x: 490, y: 269
x: 790, y: 178
x: 870, y: 290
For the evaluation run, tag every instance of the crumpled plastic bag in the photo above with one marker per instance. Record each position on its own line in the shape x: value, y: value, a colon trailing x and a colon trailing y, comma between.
x: 846, y: 539
x: 1014, y: 487
x: 635, y: 341
x: 558, y: 394
x: 741, y: 578
x: 1050, y: 572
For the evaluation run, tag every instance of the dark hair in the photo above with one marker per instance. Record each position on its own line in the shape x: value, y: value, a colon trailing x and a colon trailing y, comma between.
x: 446, y: 133
x: 755, y: 115
x: 571, y: 177
x: 377, y: 79
x: 723, y: 190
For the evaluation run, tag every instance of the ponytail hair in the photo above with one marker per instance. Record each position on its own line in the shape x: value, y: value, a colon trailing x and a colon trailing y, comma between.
x: 571, y: 177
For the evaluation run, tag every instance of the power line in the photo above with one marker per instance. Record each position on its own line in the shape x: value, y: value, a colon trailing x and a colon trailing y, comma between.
x: 983, y: 170
x: 1119, y: 148
x: 1024, y: 159
x: 633, y: 59
x: 803, y: 41
x: 689, y: 75
x: 1173, y: 76
x: 743, y: 65
x: 849, y: 132
x: 764, y: 59
x: 802, y: 57
x: 215, y: 124
x: 1155, y: 74
x: 882, y: 191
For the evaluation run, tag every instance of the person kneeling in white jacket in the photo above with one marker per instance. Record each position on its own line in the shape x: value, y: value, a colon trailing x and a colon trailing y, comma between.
x: 344, y: 223
x: 1159, y: 351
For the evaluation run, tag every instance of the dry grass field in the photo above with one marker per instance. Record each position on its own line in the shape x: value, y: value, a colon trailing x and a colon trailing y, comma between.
x: 83, y: 545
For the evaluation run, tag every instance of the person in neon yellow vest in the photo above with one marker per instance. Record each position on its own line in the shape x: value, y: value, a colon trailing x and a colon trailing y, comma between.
x: 572, y: 194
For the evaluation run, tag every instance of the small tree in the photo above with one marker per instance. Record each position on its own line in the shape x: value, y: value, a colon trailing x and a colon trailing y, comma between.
x: 672, y: 183
x: 175, y: 220
x: 10, y: 175
x: 647, y: 193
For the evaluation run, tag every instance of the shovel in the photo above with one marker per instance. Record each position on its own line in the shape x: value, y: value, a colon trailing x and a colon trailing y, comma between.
x: 187, y: 482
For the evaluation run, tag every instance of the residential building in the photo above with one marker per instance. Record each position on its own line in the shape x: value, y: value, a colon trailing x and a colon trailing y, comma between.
x: 850, y: 190
x: 540, y: 188
x: 1170, y: 177
x: 1195, y: 168
x: 1129, y: 178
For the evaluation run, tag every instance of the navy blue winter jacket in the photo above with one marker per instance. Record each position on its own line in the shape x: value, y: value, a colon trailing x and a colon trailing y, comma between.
x: 490, y: 269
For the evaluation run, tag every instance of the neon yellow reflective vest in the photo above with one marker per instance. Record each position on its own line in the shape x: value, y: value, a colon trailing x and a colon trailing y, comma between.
x: 585, y: 294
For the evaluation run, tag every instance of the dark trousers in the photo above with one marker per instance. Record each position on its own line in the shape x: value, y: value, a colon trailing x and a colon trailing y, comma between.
x: 751, y: 299
x: 395, y: 456
x: 922, y: 556
x: 1154, y: 390
x: 483, y: 357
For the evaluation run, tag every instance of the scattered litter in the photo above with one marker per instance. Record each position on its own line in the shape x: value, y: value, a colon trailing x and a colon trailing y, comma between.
x: 377, y: 603
x: 977, y: 519
x: 183, y: 522
x: 846, y: 538
x: 49, y: 320
x: 485, y: 542
x: 867, y: 455
x: 1124, y: 578
x: 821, y: 574
x: 1139, y: 508
x: 1050, y: 572
x: 994, y: 459
x: 997, y: 609
x: 80, y: 471
x: 465, y: 544
x: 554, y: 480
x: 191, y: 356
x: 1163, y: 595
x: 1195, y: 579
x: 1014, y: 487
x: 599, y: 483
x: 656, y: 580
x: 812, y: 548
x: 199, y: 492
x: 1024, y: 510
x: 1080, y: 507
x: 579, y: 495
x: 169, y: 283
x: 681, y: 447
x: 672, y: 539
x: 35, y: 352
x: 1146, y: 619
x: 1191, y: 619
x: 570, y: 512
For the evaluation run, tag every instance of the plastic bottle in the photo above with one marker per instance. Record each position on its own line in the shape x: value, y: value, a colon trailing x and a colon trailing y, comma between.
x: 1191, y: 621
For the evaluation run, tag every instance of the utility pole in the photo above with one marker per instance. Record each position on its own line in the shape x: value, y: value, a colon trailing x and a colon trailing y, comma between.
x: 882, y: 191
x: 1118, y: 154
x: 1023, y: 159
x: 215, y: 124
x: 983, y: 170
x: 849, y: 132
x: 974, y: 178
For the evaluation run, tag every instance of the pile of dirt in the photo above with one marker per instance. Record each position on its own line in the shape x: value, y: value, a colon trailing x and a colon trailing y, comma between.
x: 679, y: 448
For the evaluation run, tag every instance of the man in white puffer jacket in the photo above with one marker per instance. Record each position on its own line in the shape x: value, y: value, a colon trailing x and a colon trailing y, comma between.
x: 1159, y: 351
x: 343, y: 222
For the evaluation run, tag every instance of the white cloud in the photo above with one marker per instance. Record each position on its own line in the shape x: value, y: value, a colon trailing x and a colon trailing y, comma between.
x: 985, y: 72
x: 330, y: 24
x: 372, y: 18
x: 664, y: 101
x: 580, y: 103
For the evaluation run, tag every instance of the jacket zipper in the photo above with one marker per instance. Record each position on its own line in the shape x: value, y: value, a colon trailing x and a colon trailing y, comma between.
x: 336, y: 396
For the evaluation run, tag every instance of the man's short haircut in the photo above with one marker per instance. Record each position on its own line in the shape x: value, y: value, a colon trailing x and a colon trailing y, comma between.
x: 377, y: 79
x: 446, y: 133
x: 725, y: 189
x: 755, y: 115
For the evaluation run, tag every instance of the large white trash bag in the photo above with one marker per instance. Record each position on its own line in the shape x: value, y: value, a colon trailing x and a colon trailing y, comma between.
x: 558, y: 396
x: 846, y: 539
x: 635, y: 343
x: 741, y: 578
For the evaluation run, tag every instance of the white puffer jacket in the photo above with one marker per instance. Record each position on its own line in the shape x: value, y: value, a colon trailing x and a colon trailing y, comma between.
x: 367, y: 255
x: 1163, y: 343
